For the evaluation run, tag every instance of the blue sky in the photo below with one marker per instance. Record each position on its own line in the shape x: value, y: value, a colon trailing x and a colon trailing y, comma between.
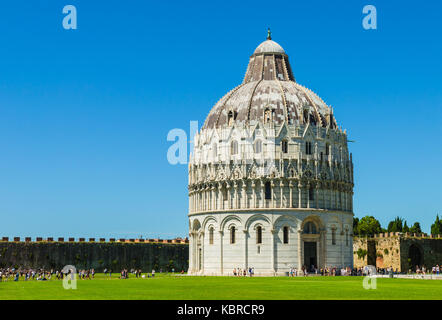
x: 84, y: 114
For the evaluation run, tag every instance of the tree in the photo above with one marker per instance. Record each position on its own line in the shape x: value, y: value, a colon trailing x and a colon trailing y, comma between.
x: 395, y: 225
x: 416, y: 228
x: 355, y: 226
x: 405, y: 228
x: 368, y: 226
x: 436, y: 227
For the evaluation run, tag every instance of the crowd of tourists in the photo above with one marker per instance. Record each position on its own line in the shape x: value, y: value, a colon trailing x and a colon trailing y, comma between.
x: 21, y: 273
x: 124, y: 274
x: 435, y: 270
x: 39, y: 274
x: 16, y: 274
x: 238, y: 272
x: 345, y: 271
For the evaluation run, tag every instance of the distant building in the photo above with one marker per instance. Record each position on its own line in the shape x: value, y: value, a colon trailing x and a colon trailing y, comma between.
x: 400, y: 251
x: 270, y: 178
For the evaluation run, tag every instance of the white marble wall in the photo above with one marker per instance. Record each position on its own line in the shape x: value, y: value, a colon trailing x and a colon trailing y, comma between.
x: 273, y: 257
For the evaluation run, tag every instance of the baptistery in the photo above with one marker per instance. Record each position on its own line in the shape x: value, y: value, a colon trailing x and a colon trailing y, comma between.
x: 270, y: 178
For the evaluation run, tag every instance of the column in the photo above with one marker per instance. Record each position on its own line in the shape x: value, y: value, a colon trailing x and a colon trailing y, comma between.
x: 323, y: 248
x: 308, y: 195
x: 262, y: 194
x: 213, y: 198
x: 207, y: 202
x: 235, y: 195
x: 299, y: 195
x: 300, y: 251
x: 281, y: 187
x: 318, y: 250
x: 291, y: 194
x: 207, y: 198
x: 324, y: 204
x: 194, y: 247
x: 221, y: 233
x: 246, y: 235
x: 190, y: 253
x: 229, y: 205
x: 273, y: 232
x: 202, y: 253
x: 317, y: 196
x: 342, y: 235
x: 254, y: 194
x: 238, y: 199
x: 244, y: 195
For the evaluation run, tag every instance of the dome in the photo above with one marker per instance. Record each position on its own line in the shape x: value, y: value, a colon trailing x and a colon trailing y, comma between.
x: 269, y: 46
x: 269, y: 87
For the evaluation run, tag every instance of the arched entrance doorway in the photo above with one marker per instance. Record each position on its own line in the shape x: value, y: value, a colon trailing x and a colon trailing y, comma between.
x: 311, y: 241
x: 310, y: 256
x: 414, y: 257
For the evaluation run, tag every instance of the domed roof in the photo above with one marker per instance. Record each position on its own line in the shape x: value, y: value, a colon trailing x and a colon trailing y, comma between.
x: 269, y: 46
x: 269, y: 93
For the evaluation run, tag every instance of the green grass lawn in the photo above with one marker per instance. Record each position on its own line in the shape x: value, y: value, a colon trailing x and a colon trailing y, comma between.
x: 170, y: 287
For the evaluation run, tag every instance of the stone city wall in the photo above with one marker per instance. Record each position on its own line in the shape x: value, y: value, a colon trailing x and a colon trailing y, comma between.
x: 400, y: 251
x: 144, y: 254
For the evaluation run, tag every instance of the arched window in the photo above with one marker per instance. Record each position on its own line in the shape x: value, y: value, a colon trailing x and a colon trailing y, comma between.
x: 224, y: 191
x: 284, y: 146
x: 232, y: 234
x: 285, y: 236
x: 311, y: 194
x: 234, y: 147
x: 259, y: 234
x: 346, y: 238
x: 333, y: 236
x: 211, y: 235
x: 327, y: 149
x: 267, y: 116
x: 308, y: 147
x: 305, y: 116
x: 268, y: 190
x: 215, y: 149
x: 257, y: 146
x: 310, y: 228
x: 230, y: 118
